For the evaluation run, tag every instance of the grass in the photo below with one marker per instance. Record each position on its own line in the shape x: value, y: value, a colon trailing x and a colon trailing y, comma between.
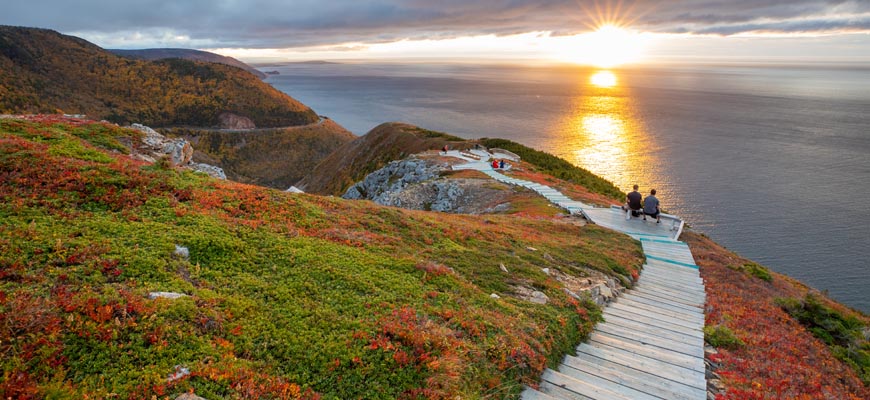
x: 289, y: 296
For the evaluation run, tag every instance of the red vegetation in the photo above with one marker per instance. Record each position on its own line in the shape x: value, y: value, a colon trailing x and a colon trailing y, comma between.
x: 780, y: 358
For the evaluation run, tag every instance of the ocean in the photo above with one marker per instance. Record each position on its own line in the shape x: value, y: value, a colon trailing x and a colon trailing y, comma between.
x: 773, y: 162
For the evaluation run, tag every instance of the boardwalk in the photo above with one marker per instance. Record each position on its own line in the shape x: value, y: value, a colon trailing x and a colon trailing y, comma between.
x: 651, y: 345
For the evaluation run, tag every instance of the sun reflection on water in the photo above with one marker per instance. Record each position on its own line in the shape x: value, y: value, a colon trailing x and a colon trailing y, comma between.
x: 602, y: 134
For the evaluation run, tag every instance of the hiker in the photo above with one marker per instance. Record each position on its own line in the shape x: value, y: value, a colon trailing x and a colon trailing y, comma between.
x: 501, y: 164
x: 632, y: 203
x: 494, y: 164
x: 651, y: 207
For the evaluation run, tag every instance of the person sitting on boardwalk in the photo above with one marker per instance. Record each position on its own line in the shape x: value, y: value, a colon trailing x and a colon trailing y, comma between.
x: 501, y: 164
x: 651, y: 206
x: 494, y: 164
x: 445, y: 149
x: 632, y: 203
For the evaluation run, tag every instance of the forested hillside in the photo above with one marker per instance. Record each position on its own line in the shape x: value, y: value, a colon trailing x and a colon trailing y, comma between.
x: 42, y: 71
x: 187, y: 54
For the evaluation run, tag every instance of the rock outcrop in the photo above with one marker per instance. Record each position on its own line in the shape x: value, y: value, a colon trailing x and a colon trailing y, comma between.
x: 177, y: 151
x: 417, y: 184
x: 233, y: 121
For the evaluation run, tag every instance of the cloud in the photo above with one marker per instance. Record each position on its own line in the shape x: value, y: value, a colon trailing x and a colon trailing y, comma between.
x: 301, y: 23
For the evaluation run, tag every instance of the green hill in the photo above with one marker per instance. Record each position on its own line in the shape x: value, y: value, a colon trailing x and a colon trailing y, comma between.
x: 288, y: 296
x: 42, y: 71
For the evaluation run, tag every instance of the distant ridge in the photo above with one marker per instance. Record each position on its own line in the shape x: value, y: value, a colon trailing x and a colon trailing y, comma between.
x: 43, y: 71
x: 187, y: 54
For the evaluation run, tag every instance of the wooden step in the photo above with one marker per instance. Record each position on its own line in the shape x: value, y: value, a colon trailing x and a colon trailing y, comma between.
x: 695, y: 290
x: 633, y: 378
x: 696, y: 317
x: 660, y: 302
x: 670, y: 292
x: 562, y: 386
x: 610, y: 312
x: 688, y: 325
x: 677, y: 336
x: 678, y: 359
x: 649, y: 365
x: 650, y: 339
x: 637, y: 291
x: 594, y: 387
x: 532, y: 394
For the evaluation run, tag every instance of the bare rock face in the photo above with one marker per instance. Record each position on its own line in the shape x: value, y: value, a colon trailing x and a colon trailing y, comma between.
x: 233, y: 121
x: 179, y: 152
x: 156, y: 146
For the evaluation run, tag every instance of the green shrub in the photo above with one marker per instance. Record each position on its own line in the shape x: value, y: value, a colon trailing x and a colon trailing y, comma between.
x: 720, y: 336
x: 844, y: 334
x: 557, y: 167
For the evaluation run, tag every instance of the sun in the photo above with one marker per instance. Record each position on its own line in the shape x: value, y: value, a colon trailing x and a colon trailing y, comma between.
x: 614, y: 46
x: 604, y: 79
x: 607, y: 47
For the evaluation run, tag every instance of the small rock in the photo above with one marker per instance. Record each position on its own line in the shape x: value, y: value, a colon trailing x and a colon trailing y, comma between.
x: 294, y: 189
x: 166, y: 295
x: 503, y: 268
x: 548, y: 257
x: 546, y: 270
x: 495, y: 296
x: 570, y: 293
x: 182, y: 252
x: 530, y: 248
x: 180, y: 372
x: 189, y: 396
x: 539, y: 298
x: 605, y: 291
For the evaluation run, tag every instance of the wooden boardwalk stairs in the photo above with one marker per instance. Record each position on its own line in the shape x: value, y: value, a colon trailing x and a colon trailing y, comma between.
x: 651, y: 345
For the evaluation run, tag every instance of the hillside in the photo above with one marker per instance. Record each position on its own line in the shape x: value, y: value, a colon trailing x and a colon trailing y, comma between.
x: 187, y: 54
x: 287, y: 296
x: 42, y: 71
x: 394, y: 141
x: 276, y: 158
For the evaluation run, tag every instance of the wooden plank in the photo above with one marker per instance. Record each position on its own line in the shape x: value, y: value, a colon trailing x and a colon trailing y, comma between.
x: 678, y: 359
x: 601, y: 384
x: 652, y: 293
x: 636, y: 379
x: 651, y: 340
x: 670, y: 292
x: 642, y: 319
x: 582, y: 388
x: 560, y: 392
x: 661, y: 303
x: 532, y: 394
x: 656, y: 274
x: 684, y: 315
x: 657, y: 316
x: 668, y: 270
x: 671, y: 273
x: 693, y: 289
x: 649, y: 365
x: 676, y: 336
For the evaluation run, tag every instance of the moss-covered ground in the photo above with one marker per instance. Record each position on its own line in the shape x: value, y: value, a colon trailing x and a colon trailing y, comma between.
x: 289, y: 296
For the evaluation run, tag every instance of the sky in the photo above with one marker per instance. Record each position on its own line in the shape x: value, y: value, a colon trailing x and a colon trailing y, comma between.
x: 554, y: 30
